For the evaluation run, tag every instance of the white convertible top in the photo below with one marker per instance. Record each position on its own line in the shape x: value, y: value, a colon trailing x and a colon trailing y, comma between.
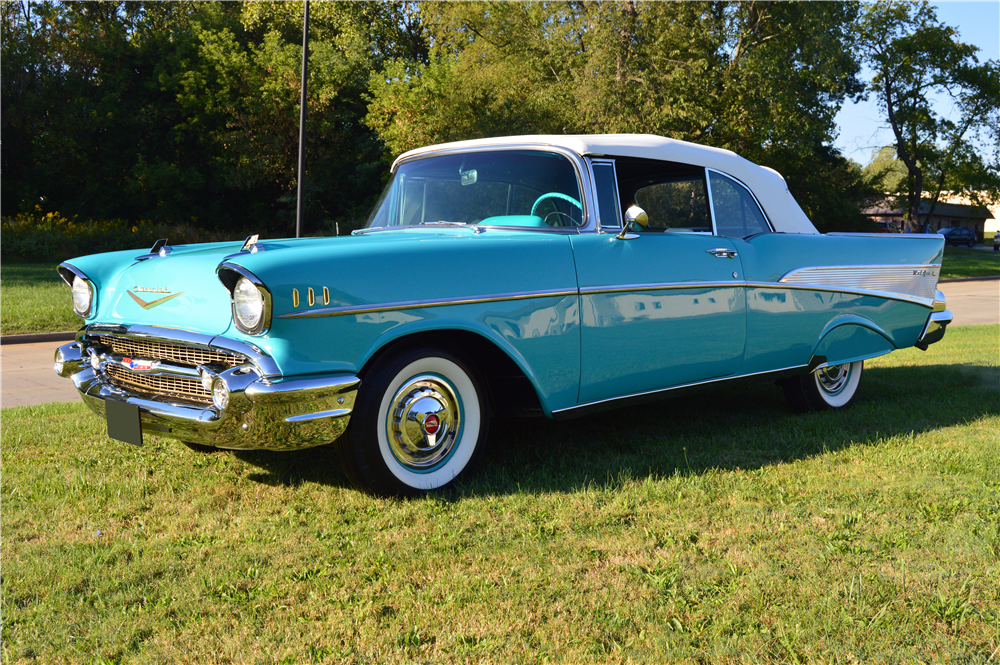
x: 767, y: 184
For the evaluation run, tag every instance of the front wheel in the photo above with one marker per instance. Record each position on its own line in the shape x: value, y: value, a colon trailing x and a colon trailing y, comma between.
x: 832, y: 387
x: 419, y: 422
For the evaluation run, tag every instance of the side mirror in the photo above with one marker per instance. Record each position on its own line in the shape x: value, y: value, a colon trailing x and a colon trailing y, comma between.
x: 634, y: 217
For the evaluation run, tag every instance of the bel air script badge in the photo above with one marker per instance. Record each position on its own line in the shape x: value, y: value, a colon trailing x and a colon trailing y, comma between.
x: 152, y: 303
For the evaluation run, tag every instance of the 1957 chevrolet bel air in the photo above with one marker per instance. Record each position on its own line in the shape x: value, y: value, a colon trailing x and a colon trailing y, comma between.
x: 555, y: 275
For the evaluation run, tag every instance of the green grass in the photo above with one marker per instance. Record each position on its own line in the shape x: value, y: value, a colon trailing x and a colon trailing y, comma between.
x: 34, y: 299
x: 714, y: 528
x: 968, y: 262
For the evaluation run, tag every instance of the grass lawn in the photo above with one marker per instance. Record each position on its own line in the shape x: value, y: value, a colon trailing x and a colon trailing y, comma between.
x: 34, y: 299
x: 714, y: 528
x: 968, y: 262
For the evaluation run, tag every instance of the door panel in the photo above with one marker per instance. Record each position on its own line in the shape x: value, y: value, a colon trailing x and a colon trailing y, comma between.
x: 657, y: 310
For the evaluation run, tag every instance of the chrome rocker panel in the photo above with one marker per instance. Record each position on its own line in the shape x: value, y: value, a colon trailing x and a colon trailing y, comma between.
x: 264, y: 413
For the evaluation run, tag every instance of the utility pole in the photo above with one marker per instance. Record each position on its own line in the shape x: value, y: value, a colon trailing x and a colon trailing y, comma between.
x: 302, y: 123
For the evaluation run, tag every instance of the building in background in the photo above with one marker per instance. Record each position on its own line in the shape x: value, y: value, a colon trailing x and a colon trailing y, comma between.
x: 952, y: 210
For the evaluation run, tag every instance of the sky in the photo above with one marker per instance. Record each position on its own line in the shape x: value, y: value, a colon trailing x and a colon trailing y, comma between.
x: 861, y: 127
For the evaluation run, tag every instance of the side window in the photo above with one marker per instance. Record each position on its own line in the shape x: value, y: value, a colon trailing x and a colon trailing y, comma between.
x: 607, y: 193
x: 737, y: 215
x: 677, y: 204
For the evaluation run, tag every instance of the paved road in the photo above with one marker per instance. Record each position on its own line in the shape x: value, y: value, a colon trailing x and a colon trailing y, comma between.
x: 26, y: 375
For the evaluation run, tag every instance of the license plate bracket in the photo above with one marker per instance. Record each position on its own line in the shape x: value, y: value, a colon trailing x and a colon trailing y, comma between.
x: 124, y: 423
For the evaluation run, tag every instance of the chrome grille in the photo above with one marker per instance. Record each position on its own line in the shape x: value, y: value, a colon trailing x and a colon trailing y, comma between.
x: 176, y: 353
x: 159, y: 384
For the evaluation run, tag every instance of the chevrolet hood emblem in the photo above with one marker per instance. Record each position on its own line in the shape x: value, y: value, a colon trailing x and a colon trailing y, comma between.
x: 153, y: 303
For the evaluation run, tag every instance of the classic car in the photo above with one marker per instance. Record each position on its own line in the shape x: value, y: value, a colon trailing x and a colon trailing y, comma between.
x: 959, y: 235
x: 548, y: 275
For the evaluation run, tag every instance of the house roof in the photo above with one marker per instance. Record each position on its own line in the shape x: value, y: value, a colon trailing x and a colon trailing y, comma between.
x: 767, y: 184
x: 954, y: 210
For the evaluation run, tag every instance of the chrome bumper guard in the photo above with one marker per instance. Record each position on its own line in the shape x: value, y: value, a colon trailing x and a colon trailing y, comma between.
x: 263, y: 412
x: 937, y: 322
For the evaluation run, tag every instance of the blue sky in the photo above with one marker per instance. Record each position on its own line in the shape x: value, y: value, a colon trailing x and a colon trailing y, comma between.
x: 861, y: 126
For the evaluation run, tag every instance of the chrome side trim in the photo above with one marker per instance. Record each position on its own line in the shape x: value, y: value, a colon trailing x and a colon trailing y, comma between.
x: 434, y: 302
x: 663, y: 286
x: 591, y: 290
x: 650, y: 395
x: 888, y: 295
x: 914, y: 280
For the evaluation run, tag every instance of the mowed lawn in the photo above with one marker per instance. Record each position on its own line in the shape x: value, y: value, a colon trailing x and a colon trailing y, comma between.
x: 968, y: 262
x: 715, y: 528
x: 34, y: 299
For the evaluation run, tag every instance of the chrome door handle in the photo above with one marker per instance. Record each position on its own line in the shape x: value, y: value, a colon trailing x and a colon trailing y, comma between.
x: 722, y: 252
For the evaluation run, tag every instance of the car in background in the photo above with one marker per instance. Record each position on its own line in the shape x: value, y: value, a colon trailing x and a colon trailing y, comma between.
x: 555, y: 276
x: 959, y: 235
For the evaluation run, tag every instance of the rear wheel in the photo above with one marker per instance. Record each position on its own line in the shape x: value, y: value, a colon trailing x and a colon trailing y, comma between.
x: 419, y: 422
x: 972, y: 243
x: 832, y: 387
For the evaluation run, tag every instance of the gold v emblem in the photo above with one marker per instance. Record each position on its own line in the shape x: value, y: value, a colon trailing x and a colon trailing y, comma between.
x: 150, y: 305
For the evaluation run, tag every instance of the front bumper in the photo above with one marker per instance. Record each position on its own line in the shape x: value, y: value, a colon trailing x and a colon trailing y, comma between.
x: 937, y: 322
x: 263, y: 412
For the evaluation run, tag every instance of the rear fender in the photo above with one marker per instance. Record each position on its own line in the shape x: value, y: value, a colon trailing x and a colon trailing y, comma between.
x: 848, y: 339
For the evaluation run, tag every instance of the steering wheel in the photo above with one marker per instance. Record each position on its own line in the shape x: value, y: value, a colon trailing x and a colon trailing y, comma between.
x: 554, y: 195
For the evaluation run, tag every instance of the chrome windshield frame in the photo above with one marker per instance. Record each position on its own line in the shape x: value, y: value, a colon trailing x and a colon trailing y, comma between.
x: 583, y: 176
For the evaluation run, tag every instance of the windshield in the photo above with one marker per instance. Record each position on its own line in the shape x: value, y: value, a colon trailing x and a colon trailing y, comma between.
x: 519, y: 188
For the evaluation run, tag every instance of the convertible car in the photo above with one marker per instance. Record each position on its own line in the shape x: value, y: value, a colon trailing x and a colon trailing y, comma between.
x: 548, y: 275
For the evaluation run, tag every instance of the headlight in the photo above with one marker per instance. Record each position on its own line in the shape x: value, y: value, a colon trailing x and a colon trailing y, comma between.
x: 248, y: 304
x: 83, y: 297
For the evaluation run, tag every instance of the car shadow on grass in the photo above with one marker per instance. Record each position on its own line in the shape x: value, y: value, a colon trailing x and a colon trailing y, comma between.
x: 741, y: 427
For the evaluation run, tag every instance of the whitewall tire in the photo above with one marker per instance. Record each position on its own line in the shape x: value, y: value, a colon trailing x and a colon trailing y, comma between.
x: 831, y: 387
x: 419, y: 422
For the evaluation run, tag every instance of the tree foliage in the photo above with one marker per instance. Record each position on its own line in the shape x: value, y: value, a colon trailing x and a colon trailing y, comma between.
x: 916, y: 58
x: 188, y: 111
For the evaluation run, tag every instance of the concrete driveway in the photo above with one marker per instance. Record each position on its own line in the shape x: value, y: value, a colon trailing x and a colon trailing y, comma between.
x: 26, y: 375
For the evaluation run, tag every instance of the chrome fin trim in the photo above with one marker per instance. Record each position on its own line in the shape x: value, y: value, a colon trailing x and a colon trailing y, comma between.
x: 917, y: 281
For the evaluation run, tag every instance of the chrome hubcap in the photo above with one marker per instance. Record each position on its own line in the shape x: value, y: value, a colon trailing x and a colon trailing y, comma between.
x: 832, y: 379
x: 423, y: 423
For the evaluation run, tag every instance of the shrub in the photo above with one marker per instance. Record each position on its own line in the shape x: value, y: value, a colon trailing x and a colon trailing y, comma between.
x: 50, y: 237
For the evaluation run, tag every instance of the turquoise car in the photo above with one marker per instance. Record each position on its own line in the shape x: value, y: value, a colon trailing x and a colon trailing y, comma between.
x: 548, y: 275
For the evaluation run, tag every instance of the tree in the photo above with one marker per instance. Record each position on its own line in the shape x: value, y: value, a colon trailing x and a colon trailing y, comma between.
x: 885, y: 172
x: 915, y: 58
x: 764, y: 79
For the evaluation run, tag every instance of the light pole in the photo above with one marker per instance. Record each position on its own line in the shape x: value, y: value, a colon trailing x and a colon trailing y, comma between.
x: 302, y: 123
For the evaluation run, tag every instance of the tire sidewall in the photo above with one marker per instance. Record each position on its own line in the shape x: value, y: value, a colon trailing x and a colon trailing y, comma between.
x: 842, y: 397
x: 365, y: 452
x: 469, y: 438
